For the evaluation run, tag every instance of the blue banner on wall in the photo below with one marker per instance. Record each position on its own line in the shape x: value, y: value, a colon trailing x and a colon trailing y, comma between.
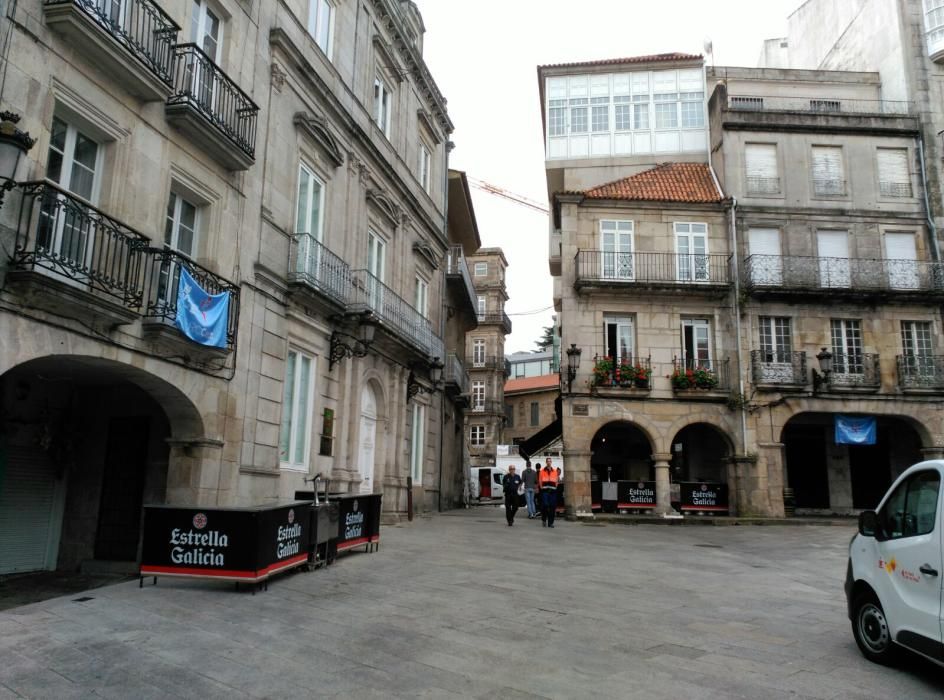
x: 855, y: 430
x: 201, y: 317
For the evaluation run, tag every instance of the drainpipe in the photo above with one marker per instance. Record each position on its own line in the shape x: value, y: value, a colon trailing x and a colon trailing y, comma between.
x: 935, y: 246
x: 443, y: 312
x: 737, y: 320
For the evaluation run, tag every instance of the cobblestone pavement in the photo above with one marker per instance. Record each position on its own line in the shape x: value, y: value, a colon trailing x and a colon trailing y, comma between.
x: 460, y: 605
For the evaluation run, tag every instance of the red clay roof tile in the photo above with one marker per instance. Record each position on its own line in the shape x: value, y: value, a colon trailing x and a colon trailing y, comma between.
x: 669, y: 182
x: 651, y: 58
x: 545, y: 381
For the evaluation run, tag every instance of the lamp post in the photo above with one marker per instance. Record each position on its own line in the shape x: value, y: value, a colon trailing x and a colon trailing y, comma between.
x: 820, y: 379
x: 413, y: 387
x: 573, y: 362
x: 13, y: 144
x: 346, y: 345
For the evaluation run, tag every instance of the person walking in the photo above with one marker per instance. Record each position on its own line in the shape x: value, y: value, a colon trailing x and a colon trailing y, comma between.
x: 510, y: 485
x: 530, y: 478
x: 547, y: 481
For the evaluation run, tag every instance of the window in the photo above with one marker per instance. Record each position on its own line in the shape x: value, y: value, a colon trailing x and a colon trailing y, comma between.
x: 600, y: 114
x: 180, y: 227
x: 641, y: 112
x: 308, y: 216
x: 510, y: 415
x: 535, y: 413
x: 917, y: 351
x: 763, y: 175
x: 206, y: 29
x: 478, y: 352
x: 693, y: 112
x: 477, y: 435
x: 425, y: 166
x: 847, y: 346
x: 481, y: 269
x: 776, y: 342
x: 320, y: 23
x: 481, y: 301
x: 616, y: 242
x: 618, y: 337
x: 578, y: 116
x: 421, y: 297
x: 911, y: 509
x: 382, y: 102
x: 934, y: 22
x: 376, y: 267
x: 691, y: 247
x: 419, y: 438
x: 557, y: 117
x: 666, y: 111
x: 696, y: 344
x: 894, y: 175
x: 478, y: 396
x: 828, y: 173
x: 622, y: 113
x: 295, y: 432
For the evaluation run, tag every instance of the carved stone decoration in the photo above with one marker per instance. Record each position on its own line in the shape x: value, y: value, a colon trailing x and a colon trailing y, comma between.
x: 386, y: 206
x: 278, y: 77
x: 316, y: 128
x: 425, y: 251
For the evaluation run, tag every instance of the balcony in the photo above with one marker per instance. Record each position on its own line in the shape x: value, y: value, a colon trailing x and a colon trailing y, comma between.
x: 489, y: 362
x: 131, y: 41
x: 625, y: 376
x: 455, y: 376
x: 817, y: 105
x: 700, y: 379
x: 320, y: 274
x: 875, y: 279
x: 496, y: 319
x: 920, y: 373
x: 489, y: 406
x: 395, y: 316
x: 653, y: 272
x: 855, y: 373
x: 458, y: 275
x: 73, y: 259
x: 162, y: 275
x: 210, y: 109
x: 778, y: 370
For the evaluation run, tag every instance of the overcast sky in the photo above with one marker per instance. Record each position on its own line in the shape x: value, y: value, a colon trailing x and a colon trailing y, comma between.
x: 484, y: 56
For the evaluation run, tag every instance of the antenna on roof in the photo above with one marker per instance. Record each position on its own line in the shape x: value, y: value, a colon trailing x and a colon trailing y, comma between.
x: 709, y: 50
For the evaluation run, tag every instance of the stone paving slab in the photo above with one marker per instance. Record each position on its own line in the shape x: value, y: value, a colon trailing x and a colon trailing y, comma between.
x: 460, y: 605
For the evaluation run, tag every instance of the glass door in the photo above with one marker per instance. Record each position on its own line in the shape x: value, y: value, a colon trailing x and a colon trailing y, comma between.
x: 691, y: 247
x: 616, y: 240
x: 376, y: 263
x: 696, y: 344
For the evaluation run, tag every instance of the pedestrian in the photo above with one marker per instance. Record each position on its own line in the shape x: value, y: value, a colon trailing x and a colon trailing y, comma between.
x: 530, y: 478
x: 510, y: 485
x: 547, y: 481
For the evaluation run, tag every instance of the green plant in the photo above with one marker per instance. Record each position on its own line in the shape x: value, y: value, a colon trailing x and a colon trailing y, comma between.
x: 692, y: 378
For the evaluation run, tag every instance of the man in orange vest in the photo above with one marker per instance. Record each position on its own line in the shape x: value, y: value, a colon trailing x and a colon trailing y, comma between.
x: 547, y: 482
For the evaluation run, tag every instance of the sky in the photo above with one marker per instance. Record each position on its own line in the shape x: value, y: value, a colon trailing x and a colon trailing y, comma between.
x: 484, y: 56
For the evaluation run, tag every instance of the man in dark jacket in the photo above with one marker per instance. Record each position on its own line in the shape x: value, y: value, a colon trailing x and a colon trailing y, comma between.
x: 510, y: 485
x: 530, y: 478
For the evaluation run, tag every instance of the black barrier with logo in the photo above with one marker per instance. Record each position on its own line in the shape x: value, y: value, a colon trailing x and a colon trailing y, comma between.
x: 704, y: 496
x: 358, y: 520
x: 283, y: 538
x: 636, y: 494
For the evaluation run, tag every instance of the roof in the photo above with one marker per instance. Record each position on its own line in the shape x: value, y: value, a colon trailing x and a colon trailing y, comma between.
x: 528, y: 356
x: 545, y: 381
x: 669, y: 182
x: 651, y: 58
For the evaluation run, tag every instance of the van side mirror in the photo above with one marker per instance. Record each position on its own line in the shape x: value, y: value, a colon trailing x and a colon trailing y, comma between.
x: 868, y: 523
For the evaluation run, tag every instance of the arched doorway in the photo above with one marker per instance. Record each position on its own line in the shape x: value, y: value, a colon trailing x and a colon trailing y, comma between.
x: 835, y: 478
x: 367, y: 446
x: 83, y: 444
x: 621, y: 464
x: 699, y: 469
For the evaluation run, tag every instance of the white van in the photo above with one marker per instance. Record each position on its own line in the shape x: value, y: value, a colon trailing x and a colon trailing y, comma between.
x: 896, y: 567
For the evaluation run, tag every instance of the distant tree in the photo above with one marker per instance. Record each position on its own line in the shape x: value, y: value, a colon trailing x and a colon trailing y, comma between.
x: 547, y: 338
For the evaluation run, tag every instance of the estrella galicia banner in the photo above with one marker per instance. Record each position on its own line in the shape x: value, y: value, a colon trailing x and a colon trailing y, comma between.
x: 202, y: 317
x: 358, y: 520
x: 855, y: 430
x: 283, y: 537
x: 703, y: 496
x: 637, y: 494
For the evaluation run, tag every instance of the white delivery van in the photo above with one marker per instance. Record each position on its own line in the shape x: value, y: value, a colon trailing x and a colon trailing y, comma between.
x: 896, y: 568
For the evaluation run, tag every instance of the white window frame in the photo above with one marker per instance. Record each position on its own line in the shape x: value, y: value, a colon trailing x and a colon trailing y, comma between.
x: 697, y: 324
x: 775, y: 336
x: 418, y: 444
x: 482, y: 305
x: 483, y: 266
x: 309, y: 397
x: 425, y: 166
x: 421, y: 297
x: 383, y: 104
x: 624, y: 329
x: 478, y: 358
x: 477, y: 435
x: 845, y: 335
x: 198, y: 29
x: 307, y: 206
x: 615, y: 262
x: 175, y: 222
x: 478, y: 395
x: 696, y: 267
x: 321, y: 28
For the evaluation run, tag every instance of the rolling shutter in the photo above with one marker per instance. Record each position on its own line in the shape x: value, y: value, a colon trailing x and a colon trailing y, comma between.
x: 893, y: 165
x: 761, y: 160
x: 27, y: 511
x: 827, y: 164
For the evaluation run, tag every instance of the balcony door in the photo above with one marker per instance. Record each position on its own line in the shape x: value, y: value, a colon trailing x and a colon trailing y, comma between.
x: 847, y: 347
x: 832, y: 247
x: 696, y: 343
x: 618, y: 336
x: 691, y: 247
x: 308, y: 224
x: 376, y: 266
x: 206, y: 31
x: 776, y: 349
x: 478, y: 352
x: 66, y: 233
x: 901, y: 260
x: 180, y: 236
x: 766, y: 267
x: 917, y: 350
x: 616, y: 244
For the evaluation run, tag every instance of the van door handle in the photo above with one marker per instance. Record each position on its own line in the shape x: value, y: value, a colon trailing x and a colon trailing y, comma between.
x: 926, y: 569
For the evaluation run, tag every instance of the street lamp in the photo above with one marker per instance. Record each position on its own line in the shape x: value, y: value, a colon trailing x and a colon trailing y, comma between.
x: 820, y: 379
x: 13, y: 144
x: 413, y: 387
x: 573, y: 362
x: 346, y: 345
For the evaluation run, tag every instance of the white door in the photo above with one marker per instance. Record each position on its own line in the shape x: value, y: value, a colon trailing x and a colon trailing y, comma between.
x: 696, y: 344
x: 691, y: 247
x: 901, y: 260
x: 616, y: 242
x: 206, y: 31
x: 832, y: 247
x: 376, y: 265
x: 618, y: 335
x: 766, y: 268
x: 367, y: 448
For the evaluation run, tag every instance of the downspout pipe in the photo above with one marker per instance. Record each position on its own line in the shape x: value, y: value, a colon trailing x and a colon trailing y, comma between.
x: 443, y: 313
x: 932, y: 229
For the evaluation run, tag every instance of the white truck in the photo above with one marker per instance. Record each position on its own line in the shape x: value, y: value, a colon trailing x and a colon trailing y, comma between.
x: 894, y: 576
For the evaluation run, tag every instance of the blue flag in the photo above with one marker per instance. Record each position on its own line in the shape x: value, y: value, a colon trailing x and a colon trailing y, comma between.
x: 201, y: 317
x: 855, y: 430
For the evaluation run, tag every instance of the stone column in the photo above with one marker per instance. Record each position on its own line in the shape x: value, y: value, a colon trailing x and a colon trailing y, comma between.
x: 662, y: 460
x: 577, y: 483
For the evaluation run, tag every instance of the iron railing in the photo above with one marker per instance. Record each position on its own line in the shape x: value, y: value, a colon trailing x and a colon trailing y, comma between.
x: 920, y: 371
x: 457, y: 267
x: 623, y: 370
x: 455, y: 373
x: 855, y: 370
x: 763, y: 185
x: 818, y: 105
x: 895, y: 189
x: 485, y: 362
x: 394, y: 313
x: 779, y: 367
x: 61, y: 235
x: 487, y: 406
x: 597, y: 266
x: 868, y: 275
x: 691, y: 373
x: 162, y: 273
x: 829, y: 187
x: 496, y: 319
x: 201, y: 84
x: 313, y: 265
x: 141, y: 26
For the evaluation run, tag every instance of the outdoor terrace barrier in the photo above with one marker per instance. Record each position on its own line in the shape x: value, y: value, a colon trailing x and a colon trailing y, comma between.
x: 818, y: 105
x: 457, y: 267
x: 597, y: 267
x: 455, y: 373
x: 497, y: 319
x: 920, y: 371
x: 315, y: 266
x: 860, y: 370
x: 779, y: 368
x: 691, y: 374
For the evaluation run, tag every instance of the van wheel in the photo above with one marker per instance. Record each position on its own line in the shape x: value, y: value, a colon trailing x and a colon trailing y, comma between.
x: 870, y: 629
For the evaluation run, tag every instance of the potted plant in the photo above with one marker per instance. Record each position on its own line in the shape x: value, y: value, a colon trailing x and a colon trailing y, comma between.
x: 682, y: 378
x: 641, y: 376
x: 705, y: 378
x: 603, y: 371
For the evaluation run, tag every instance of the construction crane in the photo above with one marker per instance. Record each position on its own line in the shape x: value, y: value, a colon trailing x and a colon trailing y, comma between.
x: 499, y: 192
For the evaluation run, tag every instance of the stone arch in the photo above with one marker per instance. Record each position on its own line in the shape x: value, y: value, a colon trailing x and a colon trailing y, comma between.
x: 641, y: 422
x: 710, y: 419
x: 621, y: 450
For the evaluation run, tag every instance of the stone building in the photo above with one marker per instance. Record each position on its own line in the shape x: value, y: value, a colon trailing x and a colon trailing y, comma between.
x: 529, y: 405
x: 290, y: 156
x: 485, y: 357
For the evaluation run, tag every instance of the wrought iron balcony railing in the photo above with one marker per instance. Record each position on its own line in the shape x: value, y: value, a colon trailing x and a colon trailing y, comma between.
x: 623, y: 370
x: 313, y: 265
x: 487, y: 406
x: 691, y: 373
x: 394, y: 313
x: 61, y: 235
x: 605, y: 267
x: 829, y: 187
x: 485, y: 362
x: 763, y: 185
x: 140, y: 26
x: 810, y: 273
x: 162, y: 272
x: 818, y: 105
x: 894, y: 189
x: 852, y: 370
x: 920, y: 371
x: 454, y: 373
x: 779, y: 368
x: 201, y: 84
x: 496, y: 319
x: 457, y: 268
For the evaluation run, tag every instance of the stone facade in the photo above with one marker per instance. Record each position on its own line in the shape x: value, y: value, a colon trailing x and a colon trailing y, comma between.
x: 529, y: 406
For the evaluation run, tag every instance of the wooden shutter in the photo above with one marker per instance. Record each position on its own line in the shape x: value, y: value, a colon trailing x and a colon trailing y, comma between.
x: 761, y: 160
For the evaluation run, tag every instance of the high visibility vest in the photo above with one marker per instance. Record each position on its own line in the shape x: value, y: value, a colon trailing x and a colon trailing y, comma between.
x: 548, y: 478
